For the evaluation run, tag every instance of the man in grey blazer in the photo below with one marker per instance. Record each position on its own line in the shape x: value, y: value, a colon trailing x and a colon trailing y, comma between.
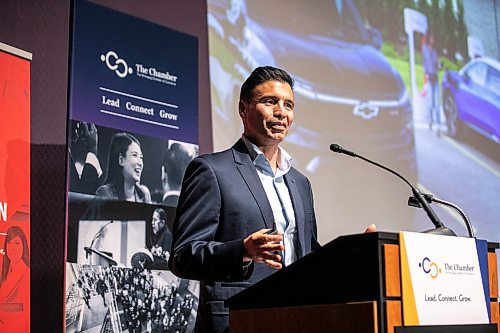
x: 244, y: 212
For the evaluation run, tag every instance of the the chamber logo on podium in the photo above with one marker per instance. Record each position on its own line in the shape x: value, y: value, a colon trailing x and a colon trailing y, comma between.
x: 444, y: 280
x: 433, y: 269
x: 430, y: 267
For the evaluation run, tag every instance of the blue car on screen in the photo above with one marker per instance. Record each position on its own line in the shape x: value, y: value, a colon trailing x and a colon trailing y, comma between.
x: 471, y: 97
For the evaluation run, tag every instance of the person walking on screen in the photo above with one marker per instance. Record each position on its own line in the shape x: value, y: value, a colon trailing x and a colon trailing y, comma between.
x: 102, y: 288
x: 431, y: 68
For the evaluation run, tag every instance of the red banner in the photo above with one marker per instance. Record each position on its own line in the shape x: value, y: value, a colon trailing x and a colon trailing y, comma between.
x: 14, y: 191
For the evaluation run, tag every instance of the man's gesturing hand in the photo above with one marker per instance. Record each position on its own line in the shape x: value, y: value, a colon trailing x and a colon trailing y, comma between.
x: 262, y: 247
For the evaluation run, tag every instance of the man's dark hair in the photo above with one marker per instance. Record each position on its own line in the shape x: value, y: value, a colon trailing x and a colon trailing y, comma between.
x: 261, y: 75
x: 175, y: 163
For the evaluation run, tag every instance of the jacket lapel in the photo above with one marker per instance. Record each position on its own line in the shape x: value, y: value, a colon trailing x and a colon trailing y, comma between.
x: 252, y: 180
x: 299, y: 211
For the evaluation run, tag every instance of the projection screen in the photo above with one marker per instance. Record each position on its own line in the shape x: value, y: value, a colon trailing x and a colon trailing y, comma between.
x: 361, y: 83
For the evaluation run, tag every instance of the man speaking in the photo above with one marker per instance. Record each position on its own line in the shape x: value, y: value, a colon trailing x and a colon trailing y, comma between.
x: 244, y: 212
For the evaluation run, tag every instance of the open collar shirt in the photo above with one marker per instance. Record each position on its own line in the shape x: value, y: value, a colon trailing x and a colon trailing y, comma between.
x: 278, y: 196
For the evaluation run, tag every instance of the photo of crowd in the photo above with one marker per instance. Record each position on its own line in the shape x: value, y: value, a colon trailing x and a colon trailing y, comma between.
x: 136, y: 300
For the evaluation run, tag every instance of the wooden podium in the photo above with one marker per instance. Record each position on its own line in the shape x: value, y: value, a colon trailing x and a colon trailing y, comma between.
x: 351, y: 284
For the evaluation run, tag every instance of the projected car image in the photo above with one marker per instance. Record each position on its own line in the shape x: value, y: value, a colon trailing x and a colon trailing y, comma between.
x: 346, y: 92
x: 471, y: 97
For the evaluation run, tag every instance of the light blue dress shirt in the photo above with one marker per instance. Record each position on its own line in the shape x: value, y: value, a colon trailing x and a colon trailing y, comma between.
x: 278, y: 196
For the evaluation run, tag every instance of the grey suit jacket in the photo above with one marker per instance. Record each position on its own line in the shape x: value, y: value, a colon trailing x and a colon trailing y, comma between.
x: 223, y: 201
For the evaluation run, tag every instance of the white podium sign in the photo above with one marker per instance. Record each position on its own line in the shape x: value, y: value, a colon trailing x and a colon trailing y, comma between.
x: 444, y: 280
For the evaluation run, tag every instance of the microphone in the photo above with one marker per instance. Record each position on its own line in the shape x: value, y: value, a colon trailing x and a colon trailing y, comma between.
x: 89, y: 249
x: 338, y: 149
x: 439, y: 227
x: 412, y: 201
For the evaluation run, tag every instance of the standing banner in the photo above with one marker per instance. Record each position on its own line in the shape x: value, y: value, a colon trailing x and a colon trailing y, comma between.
x: 132, y: 130
x: 14, y: 189
x: 444, y: 280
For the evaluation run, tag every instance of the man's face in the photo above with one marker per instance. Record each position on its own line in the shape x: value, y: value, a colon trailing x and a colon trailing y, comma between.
x: 157, y: 223
x: 269, y: 114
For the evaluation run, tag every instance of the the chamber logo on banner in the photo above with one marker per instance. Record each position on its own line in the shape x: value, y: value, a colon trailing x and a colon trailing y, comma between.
x: 122, y: 69
x: 151, y: 73
x: 116, y: 64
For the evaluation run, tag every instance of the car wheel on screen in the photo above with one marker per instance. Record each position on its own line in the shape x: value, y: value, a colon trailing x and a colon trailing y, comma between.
x: 451, y: 113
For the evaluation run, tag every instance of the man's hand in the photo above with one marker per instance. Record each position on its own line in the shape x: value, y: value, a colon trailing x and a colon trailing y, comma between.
x: 371, y: 228
x: 261, y: 247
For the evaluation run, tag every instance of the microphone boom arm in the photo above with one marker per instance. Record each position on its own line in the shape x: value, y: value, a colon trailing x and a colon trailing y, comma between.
x: 440, y: 228
x: 88, y: 250
x: 412, y: 201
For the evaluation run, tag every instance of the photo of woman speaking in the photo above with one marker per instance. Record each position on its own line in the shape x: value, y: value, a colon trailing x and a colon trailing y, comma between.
x: 125, y: 165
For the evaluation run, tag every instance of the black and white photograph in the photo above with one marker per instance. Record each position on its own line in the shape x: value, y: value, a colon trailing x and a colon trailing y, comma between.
x: 123, y: 190
x: 110, y: 243
x: 107, y: 232
x: 112, y: 299
x: 126, y: 166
